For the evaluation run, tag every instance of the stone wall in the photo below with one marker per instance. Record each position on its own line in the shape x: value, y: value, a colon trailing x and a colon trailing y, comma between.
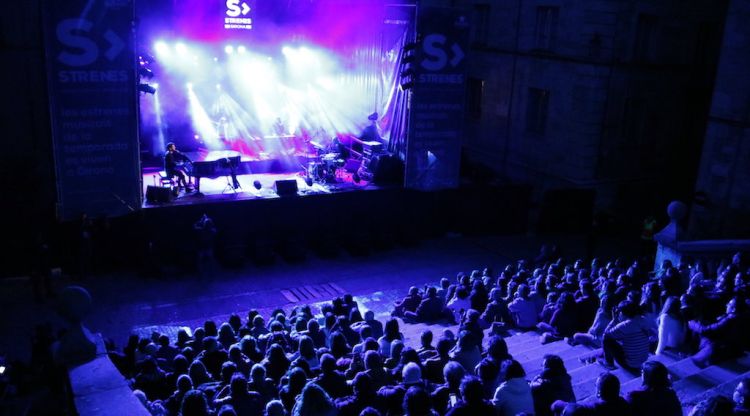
x: 722, y: 204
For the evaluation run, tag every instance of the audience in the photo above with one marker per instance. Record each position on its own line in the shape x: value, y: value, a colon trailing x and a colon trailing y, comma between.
x: 343, y: 363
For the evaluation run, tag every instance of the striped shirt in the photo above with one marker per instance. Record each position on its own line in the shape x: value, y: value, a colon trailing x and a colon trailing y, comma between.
x: 633, y: 334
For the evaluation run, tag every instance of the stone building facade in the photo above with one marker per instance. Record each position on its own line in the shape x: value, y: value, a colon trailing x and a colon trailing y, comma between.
x: 605, y: 95
x: 722, y: 204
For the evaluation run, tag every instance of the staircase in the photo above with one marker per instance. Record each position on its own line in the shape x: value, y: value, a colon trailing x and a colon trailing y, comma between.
x: 691, y: 383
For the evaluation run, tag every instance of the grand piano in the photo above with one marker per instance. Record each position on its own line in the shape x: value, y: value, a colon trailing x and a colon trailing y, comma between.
x: 215, y: 164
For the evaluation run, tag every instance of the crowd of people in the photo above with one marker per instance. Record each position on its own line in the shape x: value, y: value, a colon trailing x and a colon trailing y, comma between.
x: 341, y: 362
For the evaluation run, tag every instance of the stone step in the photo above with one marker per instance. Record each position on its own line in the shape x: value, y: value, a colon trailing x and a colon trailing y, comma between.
x: 710, y: 377
x: 725, y: 389
x: 572, y: 363
x: 584, y: 378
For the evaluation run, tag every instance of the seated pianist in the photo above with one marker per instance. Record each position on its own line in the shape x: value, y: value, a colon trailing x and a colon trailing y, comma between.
x: 371, y: 133
x: 172, y: 167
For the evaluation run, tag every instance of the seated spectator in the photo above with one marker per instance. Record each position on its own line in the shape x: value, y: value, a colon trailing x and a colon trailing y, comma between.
x: 288, y: 393
x: 741, y: 398
x: 552, y: 384
x: 672, y: 326
x: 260, y: 384
x: 243, y: 401
x: 195, y: 404
x: 199, y: 374
x: 470, y: 324
x: 276, y: 363
x: 394, y: 358
x: 448, y: 392
x: 587, y: 304
x: 306, y: 351
x: 459, y: 303
x: 314, y: 332
x: 417, y: 403
x: 488, y: 372
x: 478, y: 296
x: 523, y: 309
x: 497, y: 310
x: 240, y: 360
x: 472, y: 401
x: 314, y: 401
x: 407, y: 304
x: 595, y: 334
x: 434, y: 366
x: 212, y: 356
x: 513, y: 396
x: 152, y: 380
x: 330, y: 379
x: 608, y: 400
x: 374, y: 368
x: 656, y: 397
x: 430, y: 309
x: 564, y: 320
x: 391, y: 333
x: 466, y: 352
x: 713, y: 406
x: 172, y: 404
x: 627, y: 338
x: 719, y: 340
x: 426, y: 350
x: 275, y: 408
x: 363, y: 396
x: 226, y: 336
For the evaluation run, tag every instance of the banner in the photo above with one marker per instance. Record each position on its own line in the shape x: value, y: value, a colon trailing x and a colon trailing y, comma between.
x: 92, y: 95
x: 433, y: 155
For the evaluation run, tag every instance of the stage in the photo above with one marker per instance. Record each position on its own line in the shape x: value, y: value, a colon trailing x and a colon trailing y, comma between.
x: 221, y: 189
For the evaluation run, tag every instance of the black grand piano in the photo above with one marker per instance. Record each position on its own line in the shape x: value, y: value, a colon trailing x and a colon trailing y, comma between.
x: 215, y: 164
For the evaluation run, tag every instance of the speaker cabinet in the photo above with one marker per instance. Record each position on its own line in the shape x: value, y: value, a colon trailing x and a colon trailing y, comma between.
x: 286, y: 187
x: 159, y: 195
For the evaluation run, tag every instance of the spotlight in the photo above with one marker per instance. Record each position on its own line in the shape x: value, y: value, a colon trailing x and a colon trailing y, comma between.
x: 181, y: 48
x: 161, y: 48
x: 189, y: 85
x: 241, y: 49
x: 197, y: 137
x: 229, y: 49
x: 145, y: 72
x: 148, y: 89
x: 218, y: 87
x: 257, y: 185
x: 155, y: 85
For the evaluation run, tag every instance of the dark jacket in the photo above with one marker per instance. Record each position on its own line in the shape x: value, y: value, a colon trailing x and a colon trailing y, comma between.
x: 547, y: 388
x: 654, y: 403
x: 430, y: 309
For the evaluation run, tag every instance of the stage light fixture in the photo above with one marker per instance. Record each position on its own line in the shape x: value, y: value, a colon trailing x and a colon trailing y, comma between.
x: 189, y: 85
x: 197, y: 137
x: 145, y: 72
x: 241, y: 49
x: 148, y: 89
x: 257, y: 185
x: 229, y: 49
x: 180, y: 48
x: 161, y: 48
x: 218, y: 87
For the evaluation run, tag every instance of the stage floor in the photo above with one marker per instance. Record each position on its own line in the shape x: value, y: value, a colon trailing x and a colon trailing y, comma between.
x: 220, y: 189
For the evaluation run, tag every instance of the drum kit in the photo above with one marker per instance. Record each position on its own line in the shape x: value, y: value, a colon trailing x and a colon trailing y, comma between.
x: 323, y: 168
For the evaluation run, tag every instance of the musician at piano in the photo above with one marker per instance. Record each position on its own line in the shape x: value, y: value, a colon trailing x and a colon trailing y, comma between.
x: 173, y: 168
x: 371, y: 133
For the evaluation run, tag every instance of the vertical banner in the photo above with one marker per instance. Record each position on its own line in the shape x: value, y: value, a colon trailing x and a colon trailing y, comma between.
x: 433, y: 155
x: 92, y: 92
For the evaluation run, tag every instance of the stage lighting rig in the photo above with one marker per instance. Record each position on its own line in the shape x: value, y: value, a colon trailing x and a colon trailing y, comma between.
x: 145, y: 72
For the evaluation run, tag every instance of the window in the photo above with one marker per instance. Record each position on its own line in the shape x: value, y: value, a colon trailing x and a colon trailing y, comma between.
x: 475, y: 92
x: 545, y: 33
x: 481, y: 25
x: 536, y: 111
x: 644, y: 33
